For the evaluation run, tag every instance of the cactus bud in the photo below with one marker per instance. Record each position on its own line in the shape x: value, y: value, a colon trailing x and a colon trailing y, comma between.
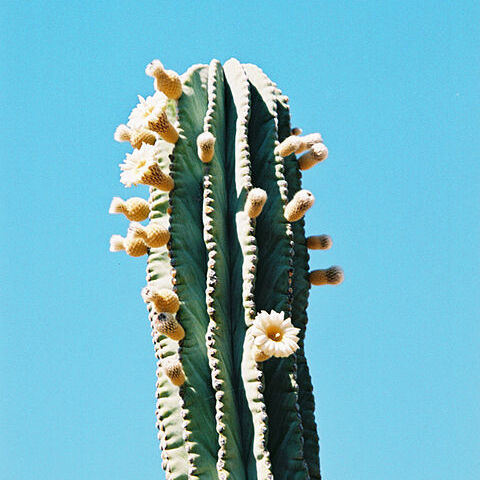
x: 163, y: 299
x: 161, y: 124
x: 142, y: 167
x: 319, y: 242
x: 154, y: 234
x: 297, y: 144
x: 174, y: 371
x: 298, y: 205
x: 316, y: 154
x: 206, y: 146
x: 296, y: 131
x: 133, y: 246
x: 135, y: 208
x: 167, y: 324
x: 166, y: 81
x: 256, y: 199
x: 329, y: 276
x: 136, y: 137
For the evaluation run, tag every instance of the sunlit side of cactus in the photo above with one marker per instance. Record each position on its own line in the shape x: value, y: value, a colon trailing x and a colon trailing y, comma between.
x: 227, y: 270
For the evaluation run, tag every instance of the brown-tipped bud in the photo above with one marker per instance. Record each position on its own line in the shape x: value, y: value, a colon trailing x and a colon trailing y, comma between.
x: 166, y: 81
x: 256, y: 199
x: 161, y: 124
x: 163, y: 299
x: 296, y: 131
x: 167, y: 324
x: 316, y: 154
x: 174, y: 371
x: 206, y: 146
x: 319, y: 242
x: 154, y: 234
x: 155, y: 177
x: 298, y: 205
x: 133, y: 246
x: 122, y: 134
x: 290, y: 145
x: 329, y: 276
x: 135, y: 209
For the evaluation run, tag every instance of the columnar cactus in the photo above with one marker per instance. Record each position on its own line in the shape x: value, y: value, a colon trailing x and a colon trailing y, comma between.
x: 227, y: 270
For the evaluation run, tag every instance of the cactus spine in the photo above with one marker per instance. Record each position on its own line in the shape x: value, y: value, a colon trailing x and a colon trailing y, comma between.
x: 226, y: 241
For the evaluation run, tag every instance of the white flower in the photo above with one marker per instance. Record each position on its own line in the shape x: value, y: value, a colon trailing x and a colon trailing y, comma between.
x: 148, y: 110
x: 273, y: 335
x: 137, y: 164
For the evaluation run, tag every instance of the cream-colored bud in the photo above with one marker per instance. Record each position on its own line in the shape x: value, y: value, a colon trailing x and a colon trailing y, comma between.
x: 206, y: 146
x: 316, y: 154
x: 290, y: 145
x: 163, y: 299
x: 135, y: 208
x: 133, y: 246
x: 319, y: 242
x: 136, y: 137
x: 329, y: 276
x: 174, y: 371
x: 154, y: 234
x: 256, y: 199
x: 167, y: 324
x: 122, y: 134
x: 155, y: 177
x: 166, y: 81
x: 297, y: 144
x: 298, y: 205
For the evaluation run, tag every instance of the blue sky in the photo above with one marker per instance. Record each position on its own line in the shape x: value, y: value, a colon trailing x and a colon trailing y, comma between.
x: 394, y: 351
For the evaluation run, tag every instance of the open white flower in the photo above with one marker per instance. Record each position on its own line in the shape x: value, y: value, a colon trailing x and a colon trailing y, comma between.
x: 141, y: 166
x: 274, y: 335
x: 147, y: 111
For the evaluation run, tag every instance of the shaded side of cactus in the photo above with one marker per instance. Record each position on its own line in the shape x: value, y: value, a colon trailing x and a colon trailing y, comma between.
x: 227, y: 294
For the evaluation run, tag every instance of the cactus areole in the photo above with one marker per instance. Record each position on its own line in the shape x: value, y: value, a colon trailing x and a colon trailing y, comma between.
x: 227, y: 270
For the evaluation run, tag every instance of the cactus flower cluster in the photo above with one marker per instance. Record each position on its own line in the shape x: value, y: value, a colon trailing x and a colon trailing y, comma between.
x: 227, y: 270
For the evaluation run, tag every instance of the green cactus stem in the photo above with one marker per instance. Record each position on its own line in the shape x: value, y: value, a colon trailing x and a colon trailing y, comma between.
x: 228, y: 273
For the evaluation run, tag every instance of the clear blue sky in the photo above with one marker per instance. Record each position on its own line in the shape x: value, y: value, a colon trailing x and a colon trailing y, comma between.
x: 394, y: 89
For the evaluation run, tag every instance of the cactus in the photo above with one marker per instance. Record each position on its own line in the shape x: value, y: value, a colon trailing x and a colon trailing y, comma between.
x: 227, y: 270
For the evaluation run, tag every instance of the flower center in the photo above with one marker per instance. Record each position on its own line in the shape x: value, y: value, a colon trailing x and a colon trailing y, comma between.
x: 273, y: 333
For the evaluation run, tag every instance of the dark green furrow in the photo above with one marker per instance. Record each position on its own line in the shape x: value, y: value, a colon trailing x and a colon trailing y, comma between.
x: 219, y: 347
x: 273, y: 289
x: 188, y: 258
x: 301, y: 288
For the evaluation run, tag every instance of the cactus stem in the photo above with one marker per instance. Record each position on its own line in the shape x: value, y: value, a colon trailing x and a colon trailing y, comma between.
x: 297, y: 207
x: 329, y: 276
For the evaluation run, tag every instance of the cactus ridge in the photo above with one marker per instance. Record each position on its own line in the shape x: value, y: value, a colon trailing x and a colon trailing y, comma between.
x: 218, y: 284
x: 226, y: 240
